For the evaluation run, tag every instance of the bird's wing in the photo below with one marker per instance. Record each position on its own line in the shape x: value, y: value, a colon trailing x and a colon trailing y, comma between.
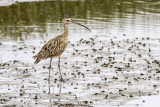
x: 52, y: 48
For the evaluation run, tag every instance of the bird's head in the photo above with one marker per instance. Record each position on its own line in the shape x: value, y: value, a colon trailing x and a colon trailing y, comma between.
x: 69, y: 21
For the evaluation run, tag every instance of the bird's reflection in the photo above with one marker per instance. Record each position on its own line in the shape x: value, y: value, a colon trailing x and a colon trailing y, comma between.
x: 52, y: 91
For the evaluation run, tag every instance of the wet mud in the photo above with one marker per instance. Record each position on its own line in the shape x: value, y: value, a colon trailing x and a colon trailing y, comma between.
x: 102, y: 70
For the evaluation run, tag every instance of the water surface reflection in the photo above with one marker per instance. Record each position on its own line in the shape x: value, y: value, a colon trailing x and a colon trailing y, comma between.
x: 134, y: 18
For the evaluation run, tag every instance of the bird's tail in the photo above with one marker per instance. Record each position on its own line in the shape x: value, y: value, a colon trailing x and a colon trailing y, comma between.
x: 34, y: 57
x: 37, y: 60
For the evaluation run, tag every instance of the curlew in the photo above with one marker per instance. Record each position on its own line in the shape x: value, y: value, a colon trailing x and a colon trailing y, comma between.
x: 56, y: 46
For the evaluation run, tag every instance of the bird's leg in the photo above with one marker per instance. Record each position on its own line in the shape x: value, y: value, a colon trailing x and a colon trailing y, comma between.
x: 50, y: 64
x: 49, y: 70
x: 61, y: 79
x: 49, y: 75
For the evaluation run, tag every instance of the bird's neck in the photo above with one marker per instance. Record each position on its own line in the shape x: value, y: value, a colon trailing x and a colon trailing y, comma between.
x: 66, y: 30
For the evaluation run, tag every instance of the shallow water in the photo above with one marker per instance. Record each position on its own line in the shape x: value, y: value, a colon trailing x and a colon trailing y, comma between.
x: 114, y: 64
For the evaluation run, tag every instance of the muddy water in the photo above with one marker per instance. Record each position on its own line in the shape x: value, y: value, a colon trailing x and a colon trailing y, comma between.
x: 116, y: 63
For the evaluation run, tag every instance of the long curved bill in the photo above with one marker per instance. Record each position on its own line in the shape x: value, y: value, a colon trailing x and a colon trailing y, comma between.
x: 81, y: 25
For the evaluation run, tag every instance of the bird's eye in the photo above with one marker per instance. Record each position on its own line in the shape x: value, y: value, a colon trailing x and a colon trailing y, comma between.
x: 68, y: 20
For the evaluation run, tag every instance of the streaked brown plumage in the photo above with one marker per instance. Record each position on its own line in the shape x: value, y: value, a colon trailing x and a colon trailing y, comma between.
x: 56, y: 46
x: 53, y: 48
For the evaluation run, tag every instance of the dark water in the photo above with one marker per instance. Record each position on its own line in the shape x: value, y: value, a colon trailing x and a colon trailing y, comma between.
x: 131, y: 17
x: 116, y: 63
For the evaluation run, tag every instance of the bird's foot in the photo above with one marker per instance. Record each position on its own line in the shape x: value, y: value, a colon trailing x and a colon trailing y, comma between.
x: 61, y: 79
x: 49, y: 67
x: 48, y: 80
